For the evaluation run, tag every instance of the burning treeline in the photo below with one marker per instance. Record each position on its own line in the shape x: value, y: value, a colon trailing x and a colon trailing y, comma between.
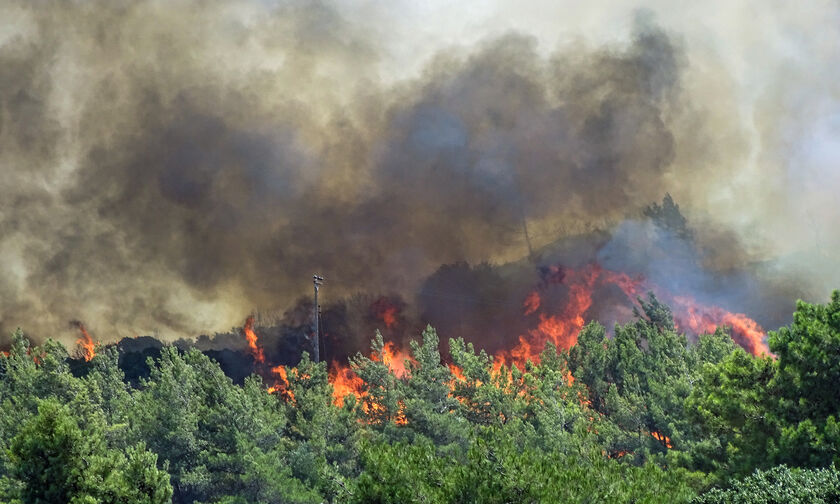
x: 192, y: 183
x: 512, y: 310
x: 202, y: 159
x: 554, y: 312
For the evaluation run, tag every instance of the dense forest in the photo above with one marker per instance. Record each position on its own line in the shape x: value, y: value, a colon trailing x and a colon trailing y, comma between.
x: 507, y: 303
x: 637, y: 415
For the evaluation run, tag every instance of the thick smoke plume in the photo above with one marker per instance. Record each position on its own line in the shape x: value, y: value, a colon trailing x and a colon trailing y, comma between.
x: 168, y: 167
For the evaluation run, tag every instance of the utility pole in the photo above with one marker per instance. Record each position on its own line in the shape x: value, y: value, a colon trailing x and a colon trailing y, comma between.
x: 317, y: 280
x: 531, y: 256
x: 517, y: 180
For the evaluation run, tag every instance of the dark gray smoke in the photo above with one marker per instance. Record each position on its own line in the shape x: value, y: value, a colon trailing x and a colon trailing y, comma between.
x: 169, y: 167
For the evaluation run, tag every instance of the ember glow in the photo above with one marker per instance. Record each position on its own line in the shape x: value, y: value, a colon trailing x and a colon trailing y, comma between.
x: 385, y: 311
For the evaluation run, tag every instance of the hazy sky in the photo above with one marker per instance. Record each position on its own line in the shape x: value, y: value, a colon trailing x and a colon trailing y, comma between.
x: 771, y: 69
x: 168, y: 165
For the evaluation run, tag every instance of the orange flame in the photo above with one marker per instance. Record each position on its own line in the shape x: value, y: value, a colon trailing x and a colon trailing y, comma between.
x: 702, y: 319
x: 662, y: 439
x: 281, y: 372
x: 559, y: 325
x: 632, y: 287
x: 400, y: 418
x: 251, y: 336
x: 85, y: 342
x: 345, y: 382
x: 389, y: 316
x: 698, y: 318
x: 395, y: 359
x: 457, y: 373
x: 385, y: 310
x: 561, y: 328
x: 281, y: 384
x: 531, y: 303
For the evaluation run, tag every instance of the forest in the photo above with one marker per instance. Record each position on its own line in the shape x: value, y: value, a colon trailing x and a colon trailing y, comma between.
x: 635, y: 414
x: 513, y: 307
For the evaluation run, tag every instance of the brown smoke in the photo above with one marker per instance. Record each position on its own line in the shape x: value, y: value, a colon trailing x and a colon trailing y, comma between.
x: 170, y: 166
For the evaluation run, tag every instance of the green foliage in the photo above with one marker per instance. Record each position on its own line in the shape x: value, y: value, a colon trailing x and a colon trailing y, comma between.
x: 219, y: 439
x: 496, y: 470
x: 731, y: 406
x: 780, y: 485
x: 401, y: 473
x: 55, y: 460
x: 639, y: 380
x: 428, y: 403
x: 808, y: 371
x: 756, y: 412
x: 47, y: 457
x: 321, y: 435
x: 641, y: 415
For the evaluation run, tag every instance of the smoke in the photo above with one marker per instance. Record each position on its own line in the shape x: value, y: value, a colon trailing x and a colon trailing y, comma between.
x: 168, y: 167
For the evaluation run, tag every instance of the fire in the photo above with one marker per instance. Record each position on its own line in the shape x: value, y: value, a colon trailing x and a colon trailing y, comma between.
x: 696, y: 317
x: 251, y: 336
x: 389, y: 316
x: 662, y: 439
x: 395, y: 359
x: 701, y: 319
x: 532, y: 303
x: 345, y: 382
x: 457, y: 373
x: 282, y: 383
x: 560, y: 328
x: 384, y: 310
x: 281, y: 372
x: 632, y: 287
x: 747, y: 333
x: 85, y: 342
x: 400, y: 418
x: 559, y: 325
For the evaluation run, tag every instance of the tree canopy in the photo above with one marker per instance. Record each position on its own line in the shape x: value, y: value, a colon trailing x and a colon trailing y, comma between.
x: 635, y: 414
